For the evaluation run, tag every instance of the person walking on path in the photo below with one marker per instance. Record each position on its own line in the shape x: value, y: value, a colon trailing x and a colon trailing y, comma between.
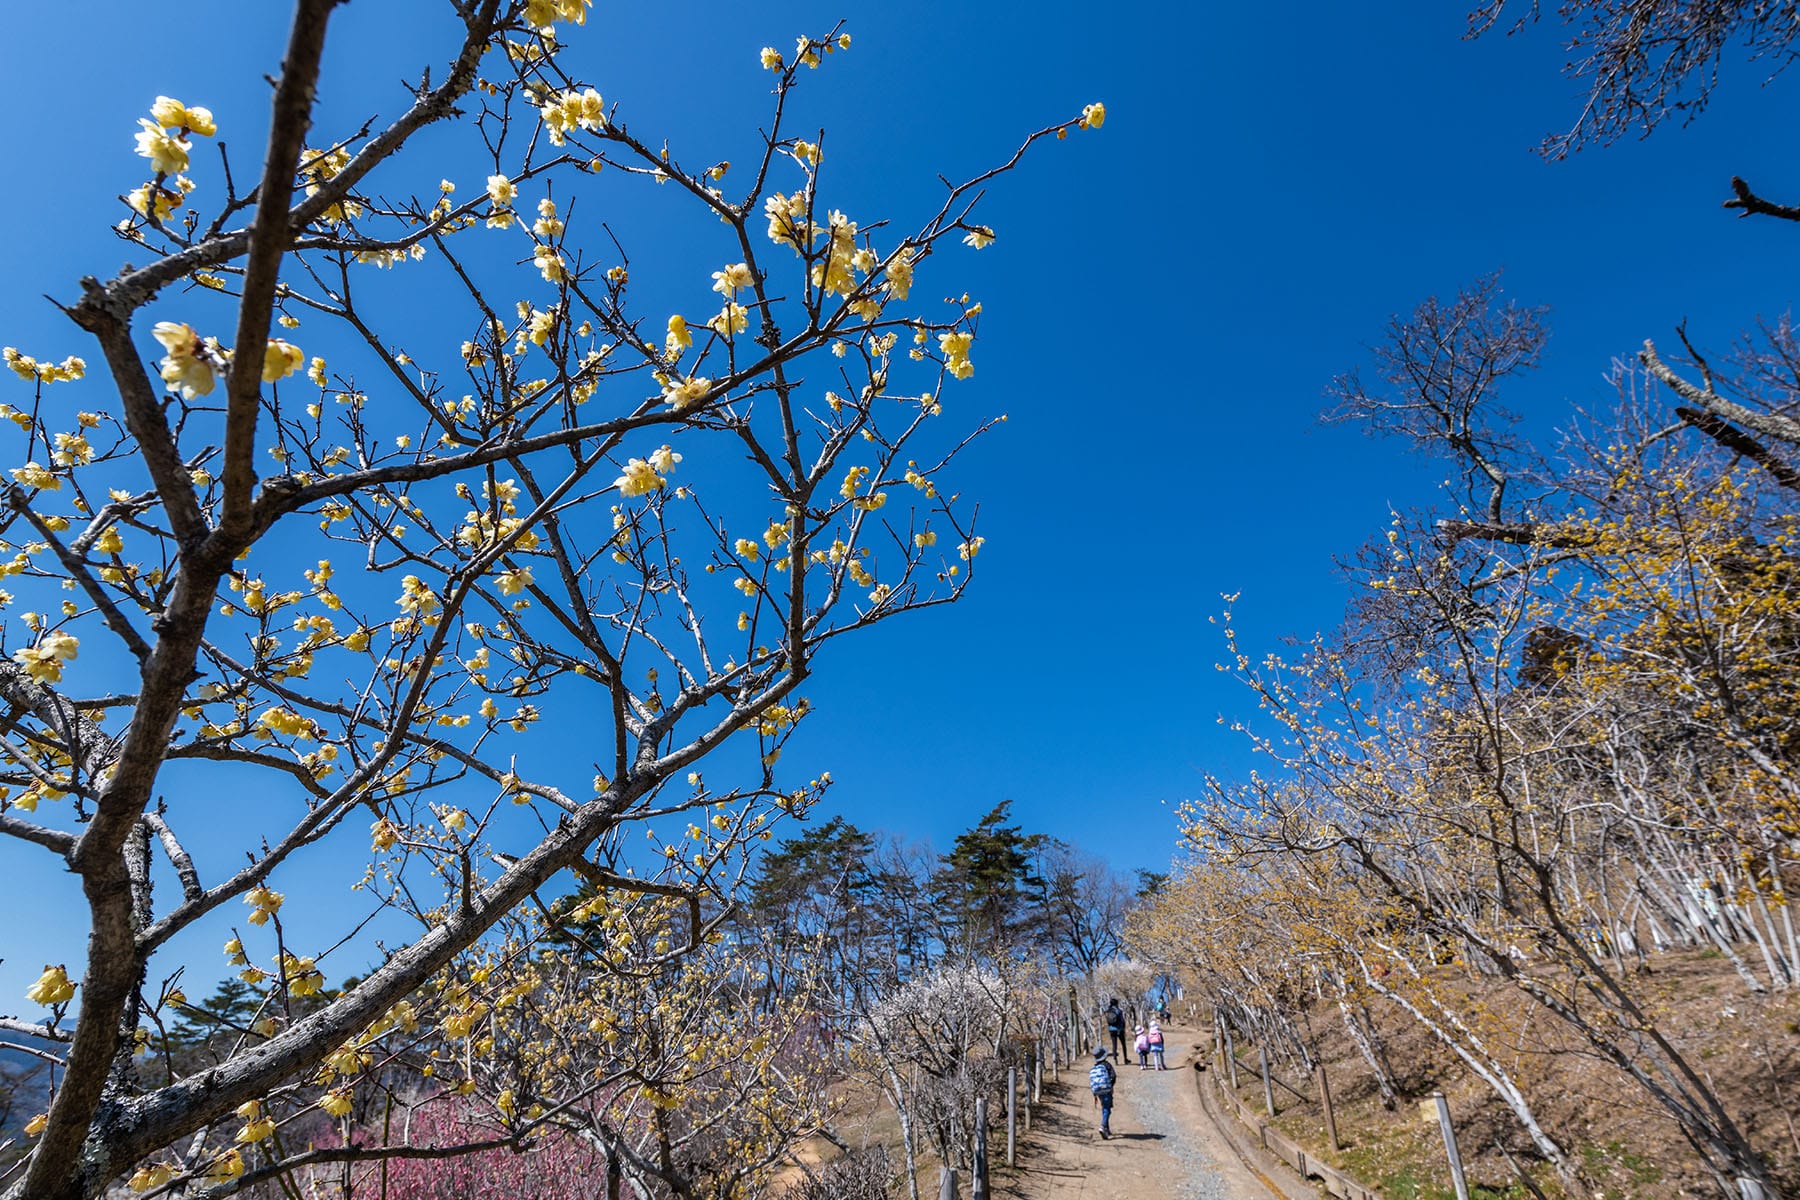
x: 1155, y: 1036
x: 1140, y: 1045
x: 1101, y: 1078
x: 1115, y: 1028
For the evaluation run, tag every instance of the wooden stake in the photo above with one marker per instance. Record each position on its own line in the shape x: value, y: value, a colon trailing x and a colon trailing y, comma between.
x: 978, y: 1170
x: 1449, y: 1132
x: 1325, y: 1103
x: 1012, y: 1116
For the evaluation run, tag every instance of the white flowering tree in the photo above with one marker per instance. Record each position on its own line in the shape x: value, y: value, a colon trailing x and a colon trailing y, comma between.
x: 352, y: 567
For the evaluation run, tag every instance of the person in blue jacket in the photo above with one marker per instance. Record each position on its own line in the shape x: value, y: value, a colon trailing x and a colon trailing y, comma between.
x: 1101, y: 1078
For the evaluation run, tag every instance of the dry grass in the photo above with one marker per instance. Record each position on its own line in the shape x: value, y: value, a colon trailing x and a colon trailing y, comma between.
x: 1746, y: 1045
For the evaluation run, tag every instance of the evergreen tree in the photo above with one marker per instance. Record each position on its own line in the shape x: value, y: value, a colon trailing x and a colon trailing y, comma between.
x: 986, y: 885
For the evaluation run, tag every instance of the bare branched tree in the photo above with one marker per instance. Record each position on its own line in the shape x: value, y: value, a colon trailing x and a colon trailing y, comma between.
x: 1648, y: 61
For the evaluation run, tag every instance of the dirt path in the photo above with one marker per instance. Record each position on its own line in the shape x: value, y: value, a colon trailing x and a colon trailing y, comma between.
x: 1163, y: 1146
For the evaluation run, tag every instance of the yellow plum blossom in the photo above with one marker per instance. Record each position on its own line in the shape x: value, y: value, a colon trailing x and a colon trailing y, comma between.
x: 44, y: 661
x: 263, y: 903
x: 679, y: 338
x: 52, y: 987
x: 543, y: 14
x: 168, y: 155
x: 281, y: 359
x: 639, y: 478
x: 27, y: 367
x: 788, y: 224
x: 148, y: 200
x: 147, y: 1179
x: 683, y: 394
x: 955, y: 347
x: 732, y: 319
x: 226, y: 1167
x: 550, y: 264
x: 735, y: 276
x: 834, y: 274
x: 900, y: 276
x: 187, y: 366
x: 173, y: 114
x: 257, y: 1125
x: 34, y: 475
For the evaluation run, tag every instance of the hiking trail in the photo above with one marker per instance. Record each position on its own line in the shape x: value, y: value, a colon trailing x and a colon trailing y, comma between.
x: 1163, y: 1147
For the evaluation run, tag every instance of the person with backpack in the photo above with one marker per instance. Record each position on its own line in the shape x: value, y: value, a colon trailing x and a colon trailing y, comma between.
x: 1101, y: 1078
x: 1115, y: 1028
x: 1155, y: 1037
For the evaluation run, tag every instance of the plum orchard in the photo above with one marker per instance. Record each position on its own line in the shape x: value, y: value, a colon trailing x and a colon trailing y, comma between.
x: 359, y: 562
x: 1556, y: 736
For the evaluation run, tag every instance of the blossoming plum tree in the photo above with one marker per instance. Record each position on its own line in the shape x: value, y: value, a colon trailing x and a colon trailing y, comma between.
x: 535, y: 517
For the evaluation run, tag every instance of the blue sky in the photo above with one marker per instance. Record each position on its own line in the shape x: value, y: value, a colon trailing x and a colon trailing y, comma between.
x: 1165, y: 303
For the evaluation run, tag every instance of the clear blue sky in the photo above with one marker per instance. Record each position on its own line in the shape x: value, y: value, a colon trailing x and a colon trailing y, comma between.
x: 1164, y: 304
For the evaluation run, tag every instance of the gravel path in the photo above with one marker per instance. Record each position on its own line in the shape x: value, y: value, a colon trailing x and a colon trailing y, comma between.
x: 1163, y: 1146
x: 1155, y: 1106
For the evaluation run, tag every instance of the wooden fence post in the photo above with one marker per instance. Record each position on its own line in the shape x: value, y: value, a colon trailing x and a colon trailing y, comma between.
x: 1269, y: 1091
x: 1456, y: 1168
x: 1012, y: 1116
x: 947, y: 1183
x: 1325, y: 1103
x: 978, y: 1170
x: 1231, y: 1058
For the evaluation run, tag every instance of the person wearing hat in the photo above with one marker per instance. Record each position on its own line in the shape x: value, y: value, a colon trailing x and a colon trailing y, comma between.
x: 1101, y: 1078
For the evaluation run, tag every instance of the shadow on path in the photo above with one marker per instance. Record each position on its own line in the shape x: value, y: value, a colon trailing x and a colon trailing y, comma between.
x: 1164, y: 1146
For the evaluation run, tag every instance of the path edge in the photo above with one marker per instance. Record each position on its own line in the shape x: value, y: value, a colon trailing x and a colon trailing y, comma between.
x: 1276, y: 1152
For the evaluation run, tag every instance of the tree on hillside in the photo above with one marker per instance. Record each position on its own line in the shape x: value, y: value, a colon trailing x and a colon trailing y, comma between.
x: 1556, y: 729
x: 302, y: 547
x: 985, y: 885
x: 810, y: 899
x: 1083, y: 904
